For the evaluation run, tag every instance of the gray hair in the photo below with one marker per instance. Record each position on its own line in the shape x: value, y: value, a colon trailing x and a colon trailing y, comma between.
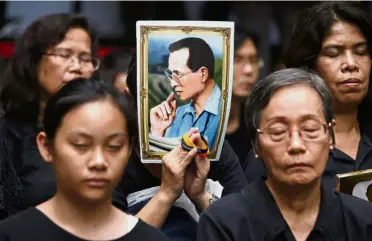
x: 264, y: 89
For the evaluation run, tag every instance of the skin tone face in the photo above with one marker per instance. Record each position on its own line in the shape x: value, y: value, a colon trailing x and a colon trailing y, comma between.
x: 55, y: 70
x: 345, y: 64
x: 293, y: 161
x: 121, y: 82
x: 246, y: 69
x: 90, y: 151
x: 190, y: 83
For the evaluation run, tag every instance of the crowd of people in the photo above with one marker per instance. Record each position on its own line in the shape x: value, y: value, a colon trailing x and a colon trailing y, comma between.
x: 70, y: 167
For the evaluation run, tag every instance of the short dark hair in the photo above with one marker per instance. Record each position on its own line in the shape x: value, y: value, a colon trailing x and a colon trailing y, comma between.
x: 264, y: 89
x: 132, y: 79
x: 117, y: 61
x: 201, y: 54
x: 82, y: 91
x: 313, y: 27
x: 20, y: 96
x: 242, y: 35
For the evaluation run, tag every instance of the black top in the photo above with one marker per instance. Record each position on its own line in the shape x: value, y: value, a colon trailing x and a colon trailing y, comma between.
x: 31, y: 224
x: 137, y: 177
x: 338, y: 163
x: 239, y: 140
x: 254, y: 215
x: 29, y: 179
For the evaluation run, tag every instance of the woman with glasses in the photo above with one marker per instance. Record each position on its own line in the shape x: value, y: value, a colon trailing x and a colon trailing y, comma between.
x: 52, y: 51
x: 290, y: 121
x: 334, y: 39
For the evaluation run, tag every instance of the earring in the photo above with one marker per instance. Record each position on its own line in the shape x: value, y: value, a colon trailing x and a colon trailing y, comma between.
x: 256, y: 156
x: 331, y: 147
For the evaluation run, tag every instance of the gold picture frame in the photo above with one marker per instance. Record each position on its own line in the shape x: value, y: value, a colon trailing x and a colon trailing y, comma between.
x: 146, y: 29
x: 354, y: 183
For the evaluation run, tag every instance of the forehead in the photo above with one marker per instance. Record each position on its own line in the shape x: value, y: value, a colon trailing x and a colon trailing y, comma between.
x: 178, y: 59
x: 247, y: 49
x: 294, y: 102
x: 98, y: 117
x: 342, y: 33
x: 76, y: 38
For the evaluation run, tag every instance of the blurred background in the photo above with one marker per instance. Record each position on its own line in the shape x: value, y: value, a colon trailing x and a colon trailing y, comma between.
x: 115, y: 21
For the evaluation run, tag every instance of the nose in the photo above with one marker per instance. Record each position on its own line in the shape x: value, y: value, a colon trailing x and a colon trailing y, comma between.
x: 174, y: 82
x: 98, y: 162
x: 350, y: 64
x: 248, y: 68
x: 296, y: 144
x: 76, y: 65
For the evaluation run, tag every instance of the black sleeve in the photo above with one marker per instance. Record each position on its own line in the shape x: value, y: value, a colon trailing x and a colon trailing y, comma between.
x: 210, y: 230
x: 228, y: 171
x: 254, y: 168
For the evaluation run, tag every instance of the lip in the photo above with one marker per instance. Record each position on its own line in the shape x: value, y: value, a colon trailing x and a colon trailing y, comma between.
x: 298, y: 165
x: 351, y: 82
x: 96, y: 182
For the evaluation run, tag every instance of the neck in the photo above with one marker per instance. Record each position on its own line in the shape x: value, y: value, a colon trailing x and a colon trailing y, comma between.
x: 296, y: 200
x: 80, y: 214
x: 346, y: 121
x: 201, y: 99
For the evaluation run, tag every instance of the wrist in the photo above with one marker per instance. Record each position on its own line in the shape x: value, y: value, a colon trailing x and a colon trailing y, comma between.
x: 166, y: 197
x: 202, y: 202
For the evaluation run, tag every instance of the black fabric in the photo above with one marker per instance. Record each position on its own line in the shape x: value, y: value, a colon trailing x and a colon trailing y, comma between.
x: 29, y: 180
x: 31, y: 224
x: 254, y: 215
x: 239, y: 141
x: 227, y: 171
x: 338, y: 163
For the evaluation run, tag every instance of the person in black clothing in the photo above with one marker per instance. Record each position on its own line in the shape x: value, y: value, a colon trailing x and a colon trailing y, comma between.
x: 290, y: 121
x: 334, y: 39
x: 88, y: 133
x: 247, y: 64
x: 53, y: 50
x: 160, y: 186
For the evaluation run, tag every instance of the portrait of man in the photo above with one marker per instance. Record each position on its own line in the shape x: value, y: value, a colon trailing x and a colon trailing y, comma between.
x: 363, y: 190
x: 191, y: 75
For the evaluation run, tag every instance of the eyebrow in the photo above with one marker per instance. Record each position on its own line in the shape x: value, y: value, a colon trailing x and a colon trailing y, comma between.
x: 342, y: 46
x: 86, y: 135
x: 302, y: 118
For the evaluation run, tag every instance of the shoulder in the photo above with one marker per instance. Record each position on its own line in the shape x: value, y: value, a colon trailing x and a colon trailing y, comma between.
x: 144, y: 231
x: 26, y: 220
x: 232, y: 207
x: 355, y: 206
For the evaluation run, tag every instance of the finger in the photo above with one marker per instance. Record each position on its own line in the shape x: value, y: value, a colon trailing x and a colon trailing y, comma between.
x: 164, y: 111
x: 159, y: 113
x: 192, y: 131
x: 188, y: 158
x: 170, y: 97
x: 168, y: 107
x: 174, y: 105
x: 196, y: 138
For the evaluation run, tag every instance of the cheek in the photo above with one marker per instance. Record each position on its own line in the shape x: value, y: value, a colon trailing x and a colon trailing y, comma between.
x: 68, y: 163
x: 50, y: 77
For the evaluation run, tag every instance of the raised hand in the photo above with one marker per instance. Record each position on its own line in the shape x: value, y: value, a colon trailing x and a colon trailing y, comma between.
x: 173, y: 171
x: 197, y: 172
x: 162, y: 115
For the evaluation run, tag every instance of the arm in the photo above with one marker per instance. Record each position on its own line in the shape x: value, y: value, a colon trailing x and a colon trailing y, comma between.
x: 156, y: 210
x: 228, y: 171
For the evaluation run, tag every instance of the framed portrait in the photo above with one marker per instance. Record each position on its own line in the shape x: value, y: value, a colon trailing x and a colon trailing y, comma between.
x: 184, y: 80
x: 358, y: 183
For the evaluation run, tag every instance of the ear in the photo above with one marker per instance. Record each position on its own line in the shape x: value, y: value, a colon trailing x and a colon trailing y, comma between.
x: 44, y: 147
x: 204, y: 74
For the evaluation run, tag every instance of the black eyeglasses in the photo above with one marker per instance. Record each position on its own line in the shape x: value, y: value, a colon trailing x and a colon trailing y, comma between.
x: 172, y: 75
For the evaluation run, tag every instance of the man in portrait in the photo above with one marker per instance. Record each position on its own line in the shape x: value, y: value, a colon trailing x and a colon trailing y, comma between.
x: 363, y: 190
x: 191, y: 75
